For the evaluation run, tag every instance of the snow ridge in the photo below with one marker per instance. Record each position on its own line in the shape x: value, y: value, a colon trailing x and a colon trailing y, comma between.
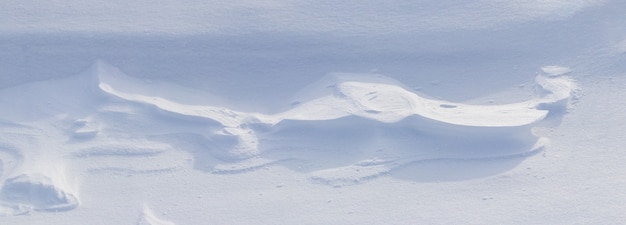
x: 361, y: 100
x: 368, y: 96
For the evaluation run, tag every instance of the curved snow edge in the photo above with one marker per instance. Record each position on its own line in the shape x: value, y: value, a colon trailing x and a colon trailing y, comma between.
x: 379, y: 98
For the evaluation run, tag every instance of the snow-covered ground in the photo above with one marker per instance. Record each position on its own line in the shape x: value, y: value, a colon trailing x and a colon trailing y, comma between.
x: 312, y: 112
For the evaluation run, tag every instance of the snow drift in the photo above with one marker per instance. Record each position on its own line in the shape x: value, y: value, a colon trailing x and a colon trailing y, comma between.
x: 342, y: 130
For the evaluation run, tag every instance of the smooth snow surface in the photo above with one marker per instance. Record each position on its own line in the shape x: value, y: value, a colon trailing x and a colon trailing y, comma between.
x: 273, y: 15
x: 309, y: 112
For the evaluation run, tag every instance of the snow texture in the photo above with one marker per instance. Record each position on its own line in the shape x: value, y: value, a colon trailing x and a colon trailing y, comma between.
x: 312, y: 112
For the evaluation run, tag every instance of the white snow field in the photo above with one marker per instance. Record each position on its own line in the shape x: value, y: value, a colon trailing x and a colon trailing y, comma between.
x: 312, y: 112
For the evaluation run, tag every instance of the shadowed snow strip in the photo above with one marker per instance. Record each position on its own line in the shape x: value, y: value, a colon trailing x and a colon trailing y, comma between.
x: 555, y: 70
x: 366, y: 170
x: 351, y: 17
x: 129, y: 156
x: 10, y: 159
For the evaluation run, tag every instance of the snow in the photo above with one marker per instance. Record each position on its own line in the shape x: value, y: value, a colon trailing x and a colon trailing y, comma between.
x: 273, y: 15
x: 148, y: 218
x: 555, y: 70
x: 283, y: 112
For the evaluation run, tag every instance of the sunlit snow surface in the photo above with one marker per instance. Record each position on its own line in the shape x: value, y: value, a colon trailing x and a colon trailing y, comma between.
x: 117, y: 124
x: 308, y: 112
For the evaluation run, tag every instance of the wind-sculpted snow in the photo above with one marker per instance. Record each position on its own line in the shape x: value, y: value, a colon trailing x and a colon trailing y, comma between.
x: 342, y: 130
x: 364, y: 95
x: 340, y: 102
x: 37, y: 192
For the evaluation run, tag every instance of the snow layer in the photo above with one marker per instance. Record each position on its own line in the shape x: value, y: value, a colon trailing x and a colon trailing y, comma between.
x: 234, y: 113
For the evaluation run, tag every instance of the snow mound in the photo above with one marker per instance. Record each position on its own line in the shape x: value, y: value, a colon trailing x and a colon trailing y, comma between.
x: 557, y: 93
x: 148, y: 218
x: 344, y: 129
x: 331, y: 108
x: 37, y: 192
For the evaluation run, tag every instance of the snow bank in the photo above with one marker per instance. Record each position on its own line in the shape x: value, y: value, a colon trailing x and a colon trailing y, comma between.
x: 367, y: 101
x: 36, y: 192
x: 348, y: 129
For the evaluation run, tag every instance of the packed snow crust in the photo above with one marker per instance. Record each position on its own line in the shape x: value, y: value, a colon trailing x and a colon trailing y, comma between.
x: 309, y: 112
